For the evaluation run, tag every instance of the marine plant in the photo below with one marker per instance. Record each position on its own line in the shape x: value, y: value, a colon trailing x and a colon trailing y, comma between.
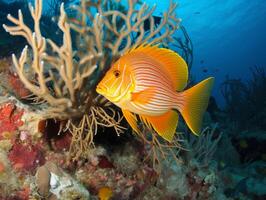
x: 184, y: 45
x: 246, y: 100
x: 203, y: 148
x: 160, y: 151
x: 62, y: 77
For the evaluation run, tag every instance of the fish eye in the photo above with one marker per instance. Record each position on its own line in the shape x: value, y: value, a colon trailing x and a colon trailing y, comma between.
x: 117, y: 73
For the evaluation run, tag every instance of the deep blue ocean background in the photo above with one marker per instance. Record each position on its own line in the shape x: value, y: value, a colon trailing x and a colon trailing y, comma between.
x: 229, y: 37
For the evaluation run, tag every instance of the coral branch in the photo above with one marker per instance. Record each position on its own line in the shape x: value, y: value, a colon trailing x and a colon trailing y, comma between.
x: 125, y: 28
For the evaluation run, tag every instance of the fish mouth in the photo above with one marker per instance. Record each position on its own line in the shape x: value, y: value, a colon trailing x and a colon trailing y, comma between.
x: 101, y: 90
x: 104, y: 92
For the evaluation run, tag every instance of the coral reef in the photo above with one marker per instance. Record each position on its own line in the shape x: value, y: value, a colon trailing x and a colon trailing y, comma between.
x: 198, y: 175
x: 120, y: 171
x: 25, y: 156
x: 244, y: 123
x: 115, y: 172
x: 10, y: 119
x: 60, y: 140
x: 7, y: 174
x: 53, y: 183
x: 245, y: 101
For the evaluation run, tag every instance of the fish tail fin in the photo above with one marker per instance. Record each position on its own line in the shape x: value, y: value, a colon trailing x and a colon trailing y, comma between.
x: 193, y: 102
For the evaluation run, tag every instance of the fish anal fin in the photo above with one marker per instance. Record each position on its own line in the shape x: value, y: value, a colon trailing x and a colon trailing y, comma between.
x: 165, y: 125
x: 131, y: 119
x: 144, y: 96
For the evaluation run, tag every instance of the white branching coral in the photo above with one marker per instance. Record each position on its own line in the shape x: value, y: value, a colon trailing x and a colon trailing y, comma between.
x: 66, y: 74
x: 62, y: 78
x: 126, y: 28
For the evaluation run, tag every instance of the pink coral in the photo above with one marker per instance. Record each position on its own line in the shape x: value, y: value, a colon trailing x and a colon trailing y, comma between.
x: 124, y: 186
x: 62, y: 143
x: 17, y: 86
x: 198, y: 188
x: 26, y: 157
x: 104, y: 162
x: 10, y: 118
x: 23, y: 194
x: 2, y: 167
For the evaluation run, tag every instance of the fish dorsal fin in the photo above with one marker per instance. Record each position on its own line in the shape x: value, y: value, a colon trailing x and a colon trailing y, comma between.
x: 172, y: 64
x: 165, y: 125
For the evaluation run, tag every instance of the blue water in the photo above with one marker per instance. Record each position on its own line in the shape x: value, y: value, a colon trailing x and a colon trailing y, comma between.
x: 228, y: 35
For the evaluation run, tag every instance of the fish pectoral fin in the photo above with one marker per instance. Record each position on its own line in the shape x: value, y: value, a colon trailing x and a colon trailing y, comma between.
x: 144, y: 96
x: 131, y: 119
x: 165, y: 125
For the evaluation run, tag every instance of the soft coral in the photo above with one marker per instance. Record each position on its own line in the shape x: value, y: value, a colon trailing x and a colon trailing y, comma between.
x: 10, y: 118
x: 26, y: 157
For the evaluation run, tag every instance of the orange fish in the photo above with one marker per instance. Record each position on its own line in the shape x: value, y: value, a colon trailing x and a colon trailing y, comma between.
x: 105, y: 193
x: 147, y: 83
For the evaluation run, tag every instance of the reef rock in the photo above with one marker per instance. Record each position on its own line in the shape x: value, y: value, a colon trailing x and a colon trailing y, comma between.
x: 53, y: 183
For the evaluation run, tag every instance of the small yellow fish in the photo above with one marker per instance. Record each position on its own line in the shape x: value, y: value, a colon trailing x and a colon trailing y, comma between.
x: 105, y: 193
x: 148, y: 82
